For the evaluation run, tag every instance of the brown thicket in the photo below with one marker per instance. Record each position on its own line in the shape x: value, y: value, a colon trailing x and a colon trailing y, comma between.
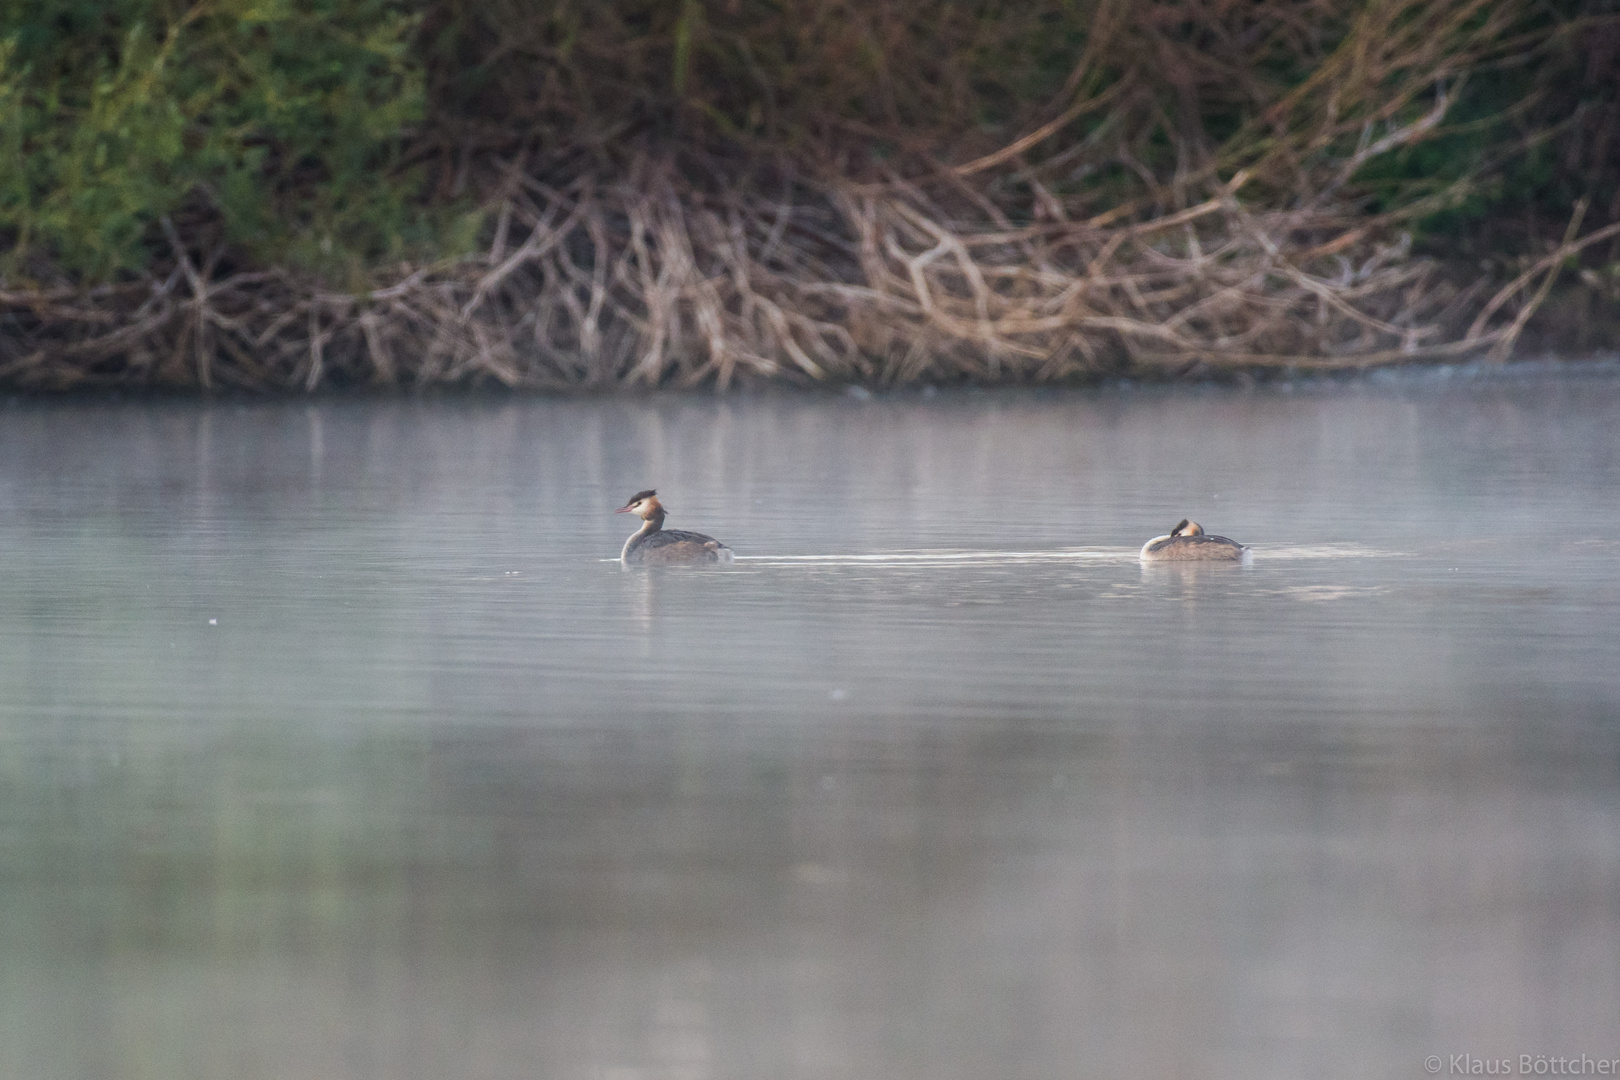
x: 827, y: 191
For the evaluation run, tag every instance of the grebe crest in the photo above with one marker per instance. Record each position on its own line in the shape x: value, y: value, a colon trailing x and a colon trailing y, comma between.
x: 1188, y: 542
x: 654, y: 544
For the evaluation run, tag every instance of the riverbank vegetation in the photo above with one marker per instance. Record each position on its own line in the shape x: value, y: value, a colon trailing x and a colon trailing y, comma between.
x: 559, y: 193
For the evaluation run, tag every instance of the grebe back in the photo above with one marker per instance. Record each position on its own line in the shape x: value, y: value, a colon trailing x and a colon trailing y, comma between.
x: 653, y: 543
x: 1188, y: 542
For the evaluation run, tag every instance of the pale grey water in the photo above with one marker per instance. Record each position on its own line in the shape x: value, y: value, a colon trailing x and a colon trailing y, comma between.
x: 331, y: 746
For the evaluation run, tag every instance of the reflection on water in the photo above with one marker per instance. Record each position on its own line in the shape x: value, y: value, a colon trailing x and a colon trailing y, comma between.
x: 334, y: 744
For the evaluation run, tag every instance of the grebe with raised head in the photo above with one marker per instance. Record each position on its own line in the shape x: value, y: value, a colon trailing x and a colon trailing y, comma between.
x: 653, y: 543
x: 1188, y: 542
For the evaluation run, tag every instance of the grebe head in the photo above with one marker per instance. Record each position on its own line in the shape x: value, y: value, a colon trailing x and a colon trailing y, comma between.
x: 643, y: 504
x: 1187, y: 528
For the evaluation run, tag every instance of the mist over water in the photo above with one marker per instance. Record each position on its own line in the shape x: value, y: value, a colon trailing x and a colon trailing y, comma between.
x: 335, y: 744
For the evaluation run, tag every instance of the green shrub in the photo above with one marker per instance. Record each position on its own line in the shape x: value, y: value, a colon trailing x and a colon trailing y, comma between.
x: 285, y: 119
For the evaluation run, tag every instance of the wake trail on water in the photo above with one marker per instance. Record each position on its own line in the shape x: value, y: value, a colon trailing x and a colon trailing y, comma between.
x: 1322, y: 551
x: 1013, y: 558
x: 946, y: 557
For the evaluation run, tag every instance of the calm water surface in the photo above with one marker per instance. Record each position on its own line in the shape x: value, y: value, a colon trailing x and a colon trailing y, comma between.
x: 331, y: 746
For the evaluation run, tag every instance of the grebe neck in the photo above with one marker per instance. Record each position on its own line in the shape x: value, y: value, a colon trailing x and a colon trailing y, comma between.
x: 649, y: 525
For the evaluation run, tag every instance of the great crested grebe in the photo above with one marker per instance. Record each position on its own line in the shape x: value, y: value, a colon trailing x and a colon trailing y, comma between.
x: 1188, y: 542
x: 655, y: 544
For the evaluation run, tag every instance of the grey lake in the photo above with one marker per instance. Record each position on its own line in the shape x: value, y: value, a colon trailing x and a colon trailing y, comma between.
x: 335, y: 742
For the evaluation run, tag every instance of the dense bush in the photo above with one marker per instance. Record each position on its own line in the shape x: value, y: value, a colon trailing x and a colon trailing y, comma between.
x: 866, y: 87
x: 1535, y: 130
x: 286, y: 120
x: 550, y: 192
x: 297, y: 122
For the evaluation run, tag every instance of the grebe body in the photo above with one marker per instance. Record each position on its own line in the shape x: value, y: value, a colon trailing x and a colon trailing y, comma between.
x: 1188, y: 542
x: 654, y: 544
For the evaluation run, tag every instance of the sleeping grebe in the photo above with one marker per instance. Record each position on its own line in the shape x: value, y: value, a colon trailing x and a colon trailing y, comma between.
x: 1188, y: 542
x: 654, y: 544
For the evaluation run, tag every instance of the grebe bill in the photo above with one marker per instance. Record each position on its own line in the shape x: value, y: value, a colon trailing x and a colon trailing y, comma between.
x: 653, y: 543
x: 1188, y: 542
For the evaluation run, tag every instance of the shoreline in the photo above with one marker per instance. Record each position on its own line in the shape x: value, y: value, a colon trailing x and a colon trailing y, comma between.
x: 881, y: 290
x: 1531, y: 365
